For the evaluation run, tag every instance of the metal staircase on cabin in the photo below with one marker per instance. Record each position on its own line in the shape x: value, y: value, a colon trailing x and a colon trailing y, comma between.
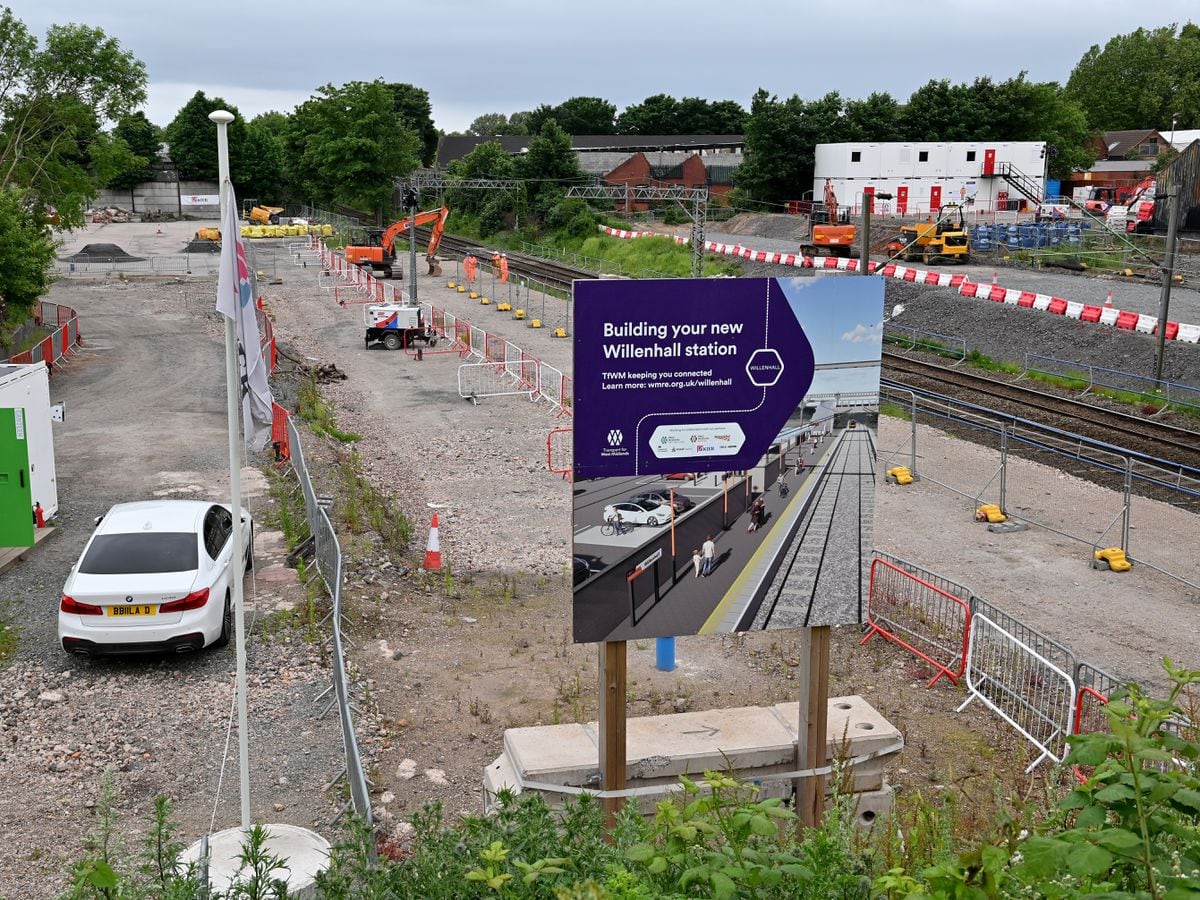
x: 1025, y: 185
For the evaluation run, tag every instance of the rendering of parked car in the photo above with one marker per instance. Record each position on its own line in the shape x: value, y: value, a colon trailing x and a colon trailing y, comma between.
x: 682, y: 502
x: 583, y: 570
x: 638, y: 513
x: 155, y: 576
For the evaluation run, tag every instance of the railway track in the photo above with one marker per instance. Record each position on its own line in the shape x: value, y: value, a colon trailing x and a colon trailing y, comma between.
x: 1130, y: 432
x: 554, y: 275
x: 1126, y: 431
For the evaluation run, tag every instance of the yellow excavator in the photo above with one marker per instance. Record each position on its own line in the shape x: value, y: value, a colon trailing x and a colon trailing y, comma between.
x: 942, y: 240
x: 380, y: 257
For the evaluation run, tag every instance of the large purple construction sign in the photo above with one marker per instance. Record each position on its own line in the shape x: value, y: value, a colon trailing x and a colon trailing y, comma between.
x: 724, y: 448
x: 695, y: 375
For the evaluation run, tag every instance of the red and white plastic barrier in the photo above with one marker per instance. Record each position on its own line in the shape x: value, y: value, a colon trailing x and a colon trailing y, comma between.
x: 1084, y: 312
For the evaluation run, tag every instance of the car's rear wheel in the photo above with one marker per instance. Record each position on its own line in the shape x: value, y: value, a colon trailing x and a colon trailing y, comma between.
x: 651, y: 520
x: 226, y: 625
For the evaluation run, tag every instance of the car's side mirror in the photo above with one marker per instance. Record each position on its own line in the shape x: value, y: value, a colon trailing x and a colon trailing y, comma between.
x: 98, y: 520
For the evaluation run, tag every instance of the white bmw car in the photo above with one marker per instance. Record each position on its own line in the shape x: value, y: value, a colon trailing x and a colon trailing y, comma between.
x: 156, y: 576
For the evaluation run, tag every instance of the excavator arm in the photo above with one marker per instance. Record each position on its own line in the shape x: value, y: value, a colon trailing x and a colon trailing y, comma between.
x: 422, y: 218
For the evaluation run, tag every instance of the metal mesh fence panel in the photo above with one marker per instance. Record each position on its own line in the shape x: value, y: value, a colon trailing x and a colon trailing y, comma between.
x: 1024, y: 688
x: 329, y: 564
x: 919, y: 616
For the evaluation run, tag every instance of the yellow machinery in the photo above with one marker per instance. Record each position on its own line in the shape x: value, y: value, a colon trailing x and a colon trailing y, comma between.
x: 208, y: 234
x: 942, y: 240
x: 264, y: 215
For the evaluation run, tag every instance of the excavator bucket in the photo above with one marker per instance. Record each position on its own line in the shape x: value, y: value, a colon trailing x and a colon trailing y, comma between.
x: 435, y: 266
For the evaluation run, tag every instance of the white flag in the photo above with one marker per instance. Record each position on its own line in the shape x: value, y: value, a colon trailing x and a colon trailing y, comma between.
x: 235, y: 300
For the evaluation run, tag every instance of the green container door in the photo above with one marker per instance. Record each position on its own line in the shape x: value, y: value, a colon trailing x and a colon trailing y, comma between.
x: 16, y: 493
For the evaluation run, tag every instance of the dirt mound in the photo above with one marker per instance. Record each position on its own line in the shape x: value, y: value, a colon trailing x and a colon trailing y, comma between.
x: 94, y: 252
x: 767, y: 225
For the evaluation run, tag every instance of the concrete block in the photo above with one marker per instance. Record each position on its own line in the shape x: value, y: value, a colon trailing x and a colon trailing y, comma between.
x: 872, y: 808
x: 852, y: 723
x: 555, y: 754
x: 498, y: 776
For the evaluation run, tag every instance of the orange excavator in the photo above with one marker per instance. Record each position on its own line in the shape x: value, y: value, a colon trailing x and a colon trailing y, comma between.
x: 380, y: 255
x: 830, y: 232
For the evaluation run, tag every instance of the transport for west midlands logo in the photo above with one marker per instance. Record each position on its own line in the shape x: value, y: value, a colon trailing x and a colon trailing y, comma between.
x: 615, y: 438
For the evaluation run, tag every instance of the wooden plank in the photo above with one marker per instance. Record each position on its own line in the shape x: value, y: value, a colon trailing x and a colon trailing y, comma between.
x: 10, y: 556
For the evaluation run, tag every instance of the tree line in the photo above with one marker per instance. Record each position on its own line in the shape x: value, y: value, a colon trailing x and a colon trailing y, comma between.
x: 70, y: 124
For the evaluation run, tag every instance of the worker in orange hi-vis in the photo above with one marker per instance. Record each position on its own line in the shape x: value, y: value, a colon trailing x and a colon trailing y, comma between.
x: 469, y: 263
x: 504, y: 268
x: 496, y: 263
x: 830, y: 201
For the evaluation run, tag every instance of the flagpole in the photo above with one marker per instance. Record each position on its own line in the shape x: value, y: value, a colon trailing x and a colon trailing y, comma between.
x: 222, y: 118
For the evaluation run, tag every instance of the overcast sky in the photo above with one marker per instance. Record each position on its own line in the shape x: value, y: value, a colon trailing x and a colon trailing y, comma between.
x: 505, y: 55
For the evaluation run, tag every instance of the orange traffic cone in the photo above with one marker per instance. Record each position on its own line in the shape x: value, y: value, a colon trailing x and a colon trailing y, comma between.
x: 1108, y: 301
x: 433, y: 550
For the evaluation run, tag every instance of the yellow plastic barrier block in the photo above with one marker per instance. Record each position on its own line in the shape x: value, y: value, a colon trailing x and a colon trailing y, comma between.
x: 900, y: 475
x: 461, y: 289
x: 484, y: 301
x: 474, y: 295
x: 518, y: 313
x: 1115, y: 557
x: 535, y: 323
x: 990, y: 512
x: 450, y: 284
x: 560, y: 332
x: 503, y: 307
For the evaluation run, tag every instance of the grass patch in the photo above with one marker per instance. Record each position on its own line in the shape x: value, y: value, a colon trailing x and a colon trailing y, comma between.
x: 313, y: 408
x: 287, y: 514
x: 895, y: 410
x: 360, y: 506
x: 8, y: 643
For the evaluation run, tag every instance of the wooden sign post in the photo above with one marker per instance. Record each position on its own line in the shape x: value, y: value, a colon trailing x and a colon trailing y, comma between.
x: 811, y: 733
x: 612, y: 726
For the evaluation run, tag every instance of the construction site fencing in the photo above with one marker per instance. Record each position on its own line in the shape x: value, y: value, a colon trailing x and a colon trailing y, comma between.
x: 1027, y: 494
x: 1031, y: 680
x: 1031, y: 693
x: 941, y: 344
x: 519, y: 372
x: 328, y: 555
x: 560, y: 452
x: 920, y: 616
x: 1087, y: 378
x: 205, y: 263
x: 57, y: 346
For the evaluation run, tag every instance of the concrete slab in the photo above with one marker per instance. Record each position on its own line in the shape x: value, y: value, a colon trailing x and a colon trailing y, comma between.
x: 555, y: 754
x: 305, y: 852
x: 852, y: 720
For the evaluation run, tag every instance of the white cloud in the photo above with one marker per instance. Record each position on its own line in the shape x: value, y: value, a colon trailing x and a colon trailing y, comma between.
x: 864, y: 333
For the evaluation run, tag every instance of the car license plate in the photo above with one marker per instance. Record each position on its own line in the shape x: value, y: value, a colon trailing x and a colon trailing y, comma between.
x: 134, y: 609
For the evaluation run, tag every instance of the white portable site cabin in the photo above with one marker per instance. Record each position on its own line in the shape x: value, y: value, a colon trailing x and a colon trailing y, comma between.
x: 28, y: 387
x: 983, y: 175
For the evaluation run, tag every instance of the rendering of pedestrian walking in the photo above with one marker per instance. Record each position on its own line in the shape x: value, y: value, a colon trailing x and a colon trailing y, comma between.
x: 709, y: 550
x: 697, y: 562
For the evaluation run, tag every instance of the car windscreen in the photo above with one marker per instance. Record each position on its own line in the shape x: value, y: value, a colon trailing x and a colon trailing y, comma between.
x: 126, y: 554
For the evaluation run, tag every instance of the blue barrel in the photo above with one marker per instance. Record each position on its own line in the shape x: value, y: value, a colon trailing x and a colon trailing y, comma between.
x: 1053, y: 187
x: 664, y: 652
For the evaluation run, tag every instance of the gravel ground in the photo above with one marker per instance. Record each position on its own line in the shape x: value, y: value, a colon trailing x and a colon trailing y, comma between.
x: 137, y: 428
x: 779, y: 233
x: 480, y: 656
